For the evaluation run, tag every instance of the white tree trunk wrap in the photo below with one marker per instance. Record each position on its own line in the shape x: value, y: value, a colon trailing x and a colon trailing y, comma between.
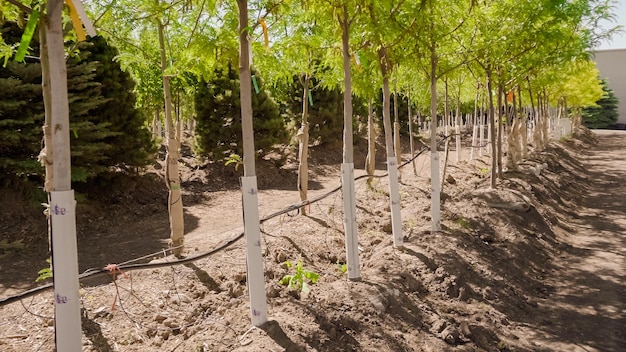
x: 481, y: 131
x: 474, y: 144
x: 457, y: 130
x: 394, y: 200
x: 303, y: 166
x: 67, y: 326
x: 349, y: 221
x: 435, y: 197
x: 254, y: 254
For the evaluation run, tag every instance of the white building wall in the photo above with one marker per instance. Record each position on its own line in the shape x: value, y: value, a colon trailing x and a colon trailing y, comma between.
x: 612, y: 66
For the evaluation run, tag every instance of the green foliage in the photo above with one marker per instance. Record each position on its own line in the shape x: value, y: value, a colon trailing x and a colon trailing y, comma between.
x: 463, y: 223
x: 107, y: 130
x: 234, y: 159
x: 605, y: 113
x: 45, y: 273
x: 343, y: 268
x: 7, y: 247
x: 21, y: 119
x: 124, y: 138
x: 300, y: 279
x: 218, y: 111
x: 325, y: 115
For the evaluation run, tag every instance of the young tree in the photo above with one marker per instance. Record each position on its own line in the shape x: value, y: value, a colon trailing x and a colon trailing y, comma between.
x: 605, y: 113
x: 254, y: 256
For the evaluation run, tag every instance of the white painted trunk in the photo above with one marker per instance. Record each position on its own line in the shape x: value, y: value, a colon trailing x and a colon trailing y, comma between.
x: 172, y: 177
x: 458, y: 140
x: 391, y: 162
x: 435, y: 198
x: 347, y: 181
x: 349, y: 221
x: 254, y: 254
x: 394, y: 200
x: 397, y: 146
x: 370, y: 159
x: 483, y: 143
x: 474, y: 140
x: 67, y: 323
x: 303, y: 166
x: 303, y: 148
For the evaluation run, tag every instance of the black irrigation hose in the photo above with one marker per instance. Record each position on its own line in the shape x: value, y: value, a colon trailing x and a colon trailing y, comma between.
x: 91, y: 273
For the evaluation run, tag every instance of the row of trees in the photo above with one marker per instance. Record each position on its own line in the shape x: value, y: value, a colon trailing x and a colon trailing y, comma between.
x: 181, y: 56
x: 534, y: 51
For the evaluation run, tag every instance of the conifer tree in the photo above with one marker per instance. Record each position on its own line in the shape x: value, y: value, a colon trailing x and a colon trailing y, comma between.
x: 131, y: 143
x: 107, y: 130
x: 605, y: 114
x: 21, y: 118
x: 325, y: 115
x: 218, y: 129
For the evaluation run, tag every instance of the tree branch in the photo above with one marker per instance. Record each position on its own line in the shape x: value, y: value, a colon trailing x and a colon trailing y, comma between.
x: 20, y: 6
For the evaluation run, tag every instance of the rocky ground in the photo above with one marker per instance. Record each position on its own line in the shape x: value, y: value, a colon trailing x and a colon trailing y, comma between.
x: 546, y: 275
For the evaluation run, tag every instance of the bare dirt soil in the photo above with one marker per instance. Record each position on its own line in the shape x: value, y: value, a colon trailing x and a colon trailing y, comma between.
x: 549, y: 277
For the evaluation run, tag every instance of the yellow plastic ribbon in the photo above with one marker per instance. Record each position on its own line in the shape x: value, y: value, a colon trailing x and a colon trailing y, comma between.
x: 76, y: 21
x: 265, y: 35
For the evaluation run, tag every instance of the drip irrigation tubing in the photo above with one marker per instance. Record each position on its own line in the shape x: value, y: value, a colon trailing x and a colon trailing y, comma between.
x: 94, y: 273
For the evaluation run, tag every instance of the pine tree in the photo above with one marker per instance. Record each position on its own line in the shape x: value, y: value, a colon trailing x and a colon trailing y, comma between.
x: 21, y: 118
x: 125, y: 133
x: 107, y: 130
x: 326, y: 114
x: 218, y: 129
x: 605, y: 114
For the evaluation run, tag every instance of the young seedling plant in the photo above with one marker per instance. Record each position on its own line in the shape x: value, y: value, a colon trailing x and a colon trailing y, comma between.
x: 300, y: 279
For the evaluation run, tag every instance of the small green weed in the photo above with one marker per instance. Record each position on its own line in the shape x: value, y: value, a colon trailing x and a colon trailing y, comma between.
x: 300, y: 279
x: 234, y: 159
x: 463, y: 223
x: 342, y: 267
x: 7, y: 248
x: 45, y: 273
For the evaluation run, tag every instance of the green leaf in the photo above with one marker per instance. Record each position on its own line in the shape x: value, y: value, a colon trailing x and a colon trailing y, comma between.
x: 314, y: 277
x: 286, y: 280
x: 27, y: 36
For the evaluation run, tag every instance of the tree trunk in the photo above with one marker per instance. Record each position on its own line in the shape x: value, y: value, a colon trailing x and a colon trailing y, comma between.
x: 370, y: 159
x: 545, y: 132
x: 445, y: 106
x: 392, y: 160
x: 155, y: 121
x: 523, y: 125
x: 254, y: 255
x: 347, y: 167
x: 500, y: 129
x: 514, y: 152
x: 396, y: 130
x: 475, y: 125
x: 434, y: 160
x: 62, y: 205
x: 411, y: 139
x: 303, y: 147
x: 492, y: 132
x: 457, y: 126
x: 46, y: 156
x: 533, y: 112
x: 172, y: 176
